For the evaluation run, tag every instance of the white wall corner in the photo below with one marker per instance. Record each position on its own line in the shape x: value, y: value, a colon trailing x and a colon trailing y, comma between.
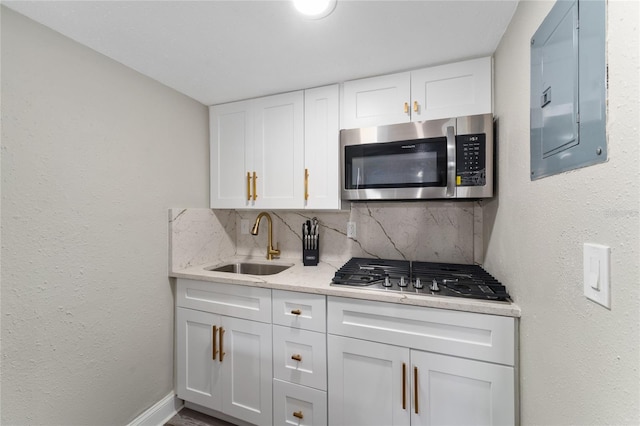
x: 160, y: 412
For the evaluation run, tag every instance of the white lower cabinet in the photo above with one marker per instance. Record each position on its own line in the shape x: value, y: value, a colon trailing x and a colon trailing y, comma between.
x: 366, y: 383
x: 286, y: 358
x: 455, y: 391
x: 396, y: 380
x: 224, y: 363
x: 299, y: 359
x: 298, y: 405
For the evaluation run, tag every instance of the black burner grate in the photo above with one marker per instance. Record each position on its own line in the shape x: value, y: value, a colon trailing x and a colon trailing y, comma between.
x: 454, y: 280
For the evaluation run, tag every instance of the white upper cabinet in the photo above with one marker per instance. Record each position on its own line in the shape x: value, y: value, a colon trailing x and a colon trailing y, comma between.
x: 231, y: 133
x: 376, y: 101
x: 276, y: 152
x: 451, y: 90
x: 322, y: 148
x: 257, y: 149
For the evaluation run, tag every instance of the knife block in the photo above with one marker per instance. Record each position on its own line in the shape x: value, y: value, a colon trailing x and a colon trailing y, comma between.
x: 310, y: 256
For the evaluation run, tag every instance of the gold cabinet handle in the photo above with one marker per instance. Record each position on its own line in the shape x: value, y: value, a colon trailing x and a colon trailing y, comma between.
x: 406, y: 108
x: 296, y: 357
x: 415, y: 106
x: 248, y: 186
x: 215, y: 345
x: 404, y: 386
x: 296, y: 312
x: 222, y: 354
x: 415, y: 384
x: 306, y: 184
x: 255, y: 192
x: 298, y: 414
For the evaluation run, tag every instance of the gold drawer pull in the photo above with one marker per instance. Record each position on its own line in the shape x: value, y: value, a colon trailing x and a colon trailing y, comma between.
x: 296, y: 312
x: 298, y: 414
x: 306, y: 184
x: 248, y: 186
x: 255, y: 189
x: 222, y: 354
x: 406, y: 108
x: 215, y: 344
x: 415, y: 106
x: 415, y: 383
x: 296, y: 357
x: 404, y: 386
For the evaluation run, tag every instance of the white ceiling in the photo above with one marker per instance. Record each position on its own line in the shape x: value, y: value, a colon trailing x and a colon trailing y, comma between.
x: 220, y: 51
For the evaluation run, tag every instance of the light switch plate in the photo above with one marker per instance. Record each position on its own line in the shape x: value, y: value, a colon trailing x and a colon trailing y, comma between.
x: 597, y: 273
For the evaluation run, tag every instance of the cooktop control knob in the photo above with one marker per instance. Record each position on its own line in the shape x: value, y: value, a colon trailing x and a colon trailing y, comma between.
x: 387, y: 282
x: 434, y: 285
x: 418, y: 284
x: 402, y: 282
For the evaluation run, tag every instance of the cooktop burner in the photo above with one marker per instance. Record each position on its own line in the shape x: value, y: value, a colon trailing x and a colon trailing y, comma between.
x: 438, y: 279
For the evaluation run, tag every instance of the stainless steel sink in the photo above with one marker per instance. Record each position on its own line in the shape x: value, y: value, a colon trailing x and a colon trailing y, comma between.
x: 249, y: 268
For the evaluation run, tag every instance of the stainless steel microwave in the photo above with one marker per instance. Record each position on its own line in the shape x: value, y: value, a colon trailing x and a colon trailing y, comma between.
x: 437, y: 159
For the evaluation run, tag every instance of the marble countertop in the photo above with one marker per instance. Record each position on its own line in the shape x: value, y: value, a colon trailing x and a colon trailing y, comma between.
x: 317, y: 279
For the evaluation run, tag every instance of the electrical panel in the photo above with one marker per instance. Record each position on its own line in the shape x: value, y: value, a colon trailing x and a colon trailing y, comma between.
x: 568, y: 88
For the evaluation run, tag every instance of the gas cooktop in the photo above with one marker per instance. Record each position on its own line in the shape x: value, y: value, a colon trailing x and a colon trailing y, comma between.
x: 426, y: 278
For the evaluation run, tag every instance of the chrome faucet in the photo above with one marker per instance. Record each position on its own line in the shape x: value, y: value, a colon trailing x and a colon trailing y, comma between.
x: 271, y: 252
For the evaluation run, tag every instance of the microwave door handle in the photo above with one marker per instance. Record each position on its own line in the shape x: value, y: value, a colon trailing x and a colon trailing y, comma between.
x: 451, y: 162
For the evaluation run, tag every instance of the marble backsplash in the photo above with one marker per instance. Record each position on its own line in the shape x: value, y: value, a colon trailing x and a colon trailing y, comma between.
x: 426, y: 231
x: 198, y: 236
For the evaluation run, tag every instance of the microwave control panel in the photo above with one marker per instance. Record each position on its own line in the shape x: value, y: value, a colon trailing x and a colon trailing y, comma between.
x: 471, y: 160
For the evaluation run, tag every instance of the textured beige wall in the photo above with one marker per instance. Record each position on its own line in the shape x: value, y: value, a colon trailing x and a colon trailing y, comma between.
x: 579, y: 361
x: 93, y: 155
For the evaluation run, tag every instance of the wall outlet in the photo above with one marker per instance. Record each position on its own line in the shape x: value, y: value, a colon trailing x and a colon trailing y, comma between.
x: 351, y: 230
x: 244, y: 227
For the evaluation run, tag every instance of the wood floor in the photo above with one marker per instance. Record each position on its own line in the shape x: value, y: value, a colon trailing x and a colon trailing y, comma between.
x: 188, y: 417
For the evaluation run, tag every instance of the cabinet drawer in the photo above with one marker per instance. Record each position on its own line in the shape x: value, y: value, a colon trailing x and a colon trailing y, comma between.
x: 300, y: 356
x: 252, y: 303
x: 465, y: 334
x: 300, y: 310
x: 298, y: 405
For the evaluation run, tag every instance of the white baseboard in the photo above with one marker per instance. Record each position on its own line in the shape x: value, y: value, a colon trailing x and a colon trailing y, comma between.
x: 160, y: 412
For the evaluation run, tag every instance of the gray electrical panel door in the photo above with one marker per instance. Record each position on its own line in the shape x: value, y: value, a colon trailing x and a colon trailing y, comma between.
x: 568, y: 92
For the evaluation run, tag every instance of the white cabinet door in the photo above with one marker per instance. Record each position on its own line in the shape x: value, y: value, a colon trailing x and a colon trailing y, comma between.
x: 376, y: 101
x: 298, y: 405
x: 445, y: 91
x: 451, y: 90
x: 224, y: 363
x: 278, y: 151
x: 198, y: 372
x: 231, y: 138
x: 247, y: 373
x: 366, y: 383
x: 322, y: 148
x: 456, y: 391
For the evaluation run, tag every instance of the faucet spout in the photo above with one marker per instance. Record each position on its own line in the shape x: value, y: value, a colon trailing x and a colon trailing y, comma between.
x: 271, y: 252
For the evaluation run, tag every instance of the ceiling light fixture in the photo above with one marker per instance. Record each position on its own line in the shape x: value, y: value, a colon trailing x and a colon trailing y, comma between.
x: 315, y: 9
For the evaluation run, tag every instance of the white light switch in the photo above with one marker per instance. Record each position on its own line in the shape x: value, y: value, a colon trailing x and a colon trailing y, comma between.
x: 597, y: 273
